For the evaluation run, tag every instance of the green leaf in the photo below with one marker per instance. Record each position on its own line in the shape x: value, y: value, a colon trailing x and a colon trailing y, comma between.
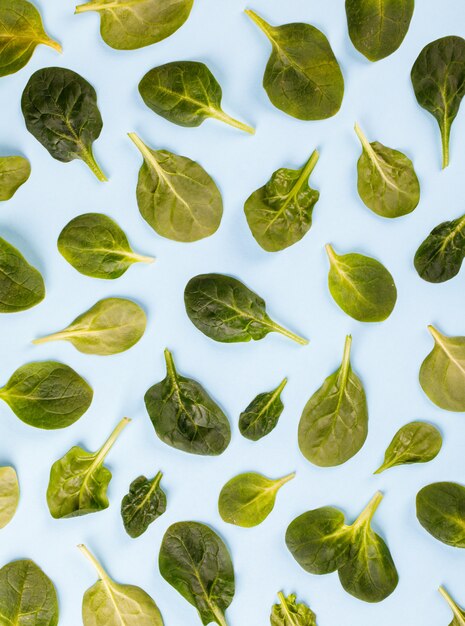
x: 132, y: 24
x: 441, y: 511
x: 302, y: 77
x: 60, y: 110
x: 176, y: 196
x: 27, y: 596
x: 361, y: 286
x: 438, y: 78
x: 279, y: 214
x: 378, y: 27
x: 14, y: 172
x: 387, y: 182
x: 262, y: 414
x: 9, y: 495
x: 459, y: 613
x: 47, y: 394
x: 21, y: 285
x: 334, y: 422
x: 247, y: 499
x: 440, y: 256
x: 185, y: 416
x: 96, y: 246
x: 185, y: 93
x: 79, y: 481
x: 225, y: 310
x: 290, y: 613
x: 21, y: 31
x: 111, y: 326
x: 144, y: 503
x: 196, y: 562
x: 442, y: 373
x: 109, y: 603
x: 417, y: 442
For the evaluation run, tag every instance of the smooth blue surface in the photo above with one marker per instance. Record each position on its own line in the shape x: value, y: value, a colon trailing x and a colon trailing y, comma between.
x: 386, y: 356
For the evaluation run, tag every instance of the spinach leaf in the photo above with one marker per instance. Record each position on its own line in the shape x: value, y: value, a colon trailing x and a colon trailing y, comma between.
x: 144, y: 503
x: 361, y: 286
x: 440, y: 256
x: 438, y: 78
x: 334, y: 422
x: 185, y: 93
x: 196, y: 562
x: 14, y: 172
x: 111, y: 326
x: 247, y: 499
x: 441, y: 511
x: 47, y: 394
x: 378, y: 27
x: 387, y: 182
x: 60, y: 110
x: 176, y: 196
x: 79, y: 481
x: 290, y: 613
x: 279, y: 214
x: 442, y: 373
x: 302, y: 77
x: 132, y: 24
x: 96, y: 246
x: 262, y: 414
x: 322, y: 543
x: 458, y: 611
x: 185, y: 416
x: 226, y: 310
x: 9, y: 495
x: 21, y: 285
x: 108, y: 602
x: 27, y: 595
x: 417, y: 442
x: 21, y: 32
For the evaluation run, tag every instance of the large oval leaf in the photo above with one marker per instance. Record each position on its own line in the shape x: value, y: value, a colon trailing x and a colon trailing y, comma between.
x: 9, y: 495
x: 144, y: 503
x: 441, y: 511
x: 440, y: 256
x: 14, y: 172
x: 21, y: 285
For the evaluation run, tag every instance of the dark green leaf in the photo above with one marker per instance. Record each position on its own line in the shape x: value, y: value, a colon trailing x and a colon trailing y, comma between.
x: 262, y: 414
x: 14, y: 172
x: 459, y: 613
x: 417, y: 442
x: 440, y: 256
x: 290, y: 613
x: 21, y: 285
x: 441, y: 511
x: 9, y: 495
x: 144, y: 503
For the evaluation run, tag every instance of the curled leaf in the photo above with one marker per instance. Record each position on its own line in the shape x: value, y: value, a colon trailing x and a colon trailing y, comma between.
x: 417, y: 442
x: 262, y: 414
x: 144, y: 503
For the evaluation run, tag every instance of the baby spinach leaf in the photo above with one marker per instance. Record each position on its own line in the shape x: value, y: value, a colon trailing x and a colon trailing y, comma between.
x: 21, y: 31
x: 21, y: 285
x: 144, y: 503
x: 27, y: 595
x: 226, y: 310
x: 442, y: 373
x: 79, y: 480
x: 111, y: 326
x: 387, y: 182
x: 262, y: 414
x: 185, y: 416
x: 196, y: 562
x: 247, y: 499
x: 361, y: 286
x: 132, y: 24
x: 185, y: 93
x: 417, y: 442
x: 176, y: 196
x: 60, y: 110
x: 302, y: 77
x: 108, y: 602
x: 290, y: 613
x: 441, y: 511
x: 334, y: 422
x: 378, y: 27
x: 440, y: 256
x: 279, y: 214
x: 438, y: 78
x: 321, y: 543
x: 9, y: 495
x: 47, y: 394
x: 458, y: 611
x: 14, y: 172
x: 96, y: 246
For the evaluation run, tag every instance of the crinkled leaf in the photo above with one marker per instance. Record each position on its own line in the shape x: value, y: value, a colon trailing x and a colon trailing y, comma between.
x: 9, y: 495
x: 14, y: 172
x: 417, y: 442
x: 262, y: 414
x: 21, y: 285
x: 440, y: 256
x: 289, y: 612
x: 441, y: 511
x: 144, y: 503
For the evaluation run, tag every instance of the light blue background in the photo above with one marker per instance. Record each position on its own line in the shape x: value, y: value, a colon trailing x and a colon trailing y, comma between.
x: 387, y: 356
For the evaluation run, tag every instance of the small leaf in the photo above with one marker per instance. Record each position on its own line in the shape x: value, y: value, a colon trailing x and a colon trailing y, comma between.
x: 247, y: 499
x: 458, y: 612
x: 440, y: 256
x: 290, y: 613
x: 144, y: 503
x: 9, y: 495
x: 441, y: 512
x: 417, y: 442
x: 21, y: 285
x: 262, y: 414
x: 14, y: 172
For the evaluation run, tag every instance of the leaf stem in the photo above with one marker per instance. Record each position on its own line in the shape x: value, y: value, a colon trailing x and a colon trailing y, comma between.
x: 139, y: 258
x: 287, y: 333
x: 87, y: 553
x: 95, y: 6
x: 220, y: 618
x: 285, y: 479
x: 363, y: 140
x: 308, y: 168
x: 368, y: 512
x: 280, y: 387
x: 445, y: 139
x: 89, y: 160
x: 345, y: 363
x: 383, y: 467
x: 104, y: 450
x: 450, y: 602
x: 170, y: 367
x: 227, y: 119
x: 52, y: 44
x: 58, y: 336
x: 330, y: 252
x: 259, y: 21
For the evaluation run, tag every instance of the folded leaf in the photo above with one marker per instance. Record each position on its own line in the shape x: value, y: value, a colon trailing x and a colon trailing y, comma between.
x: 144, y: 503
x: 262, y: 414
